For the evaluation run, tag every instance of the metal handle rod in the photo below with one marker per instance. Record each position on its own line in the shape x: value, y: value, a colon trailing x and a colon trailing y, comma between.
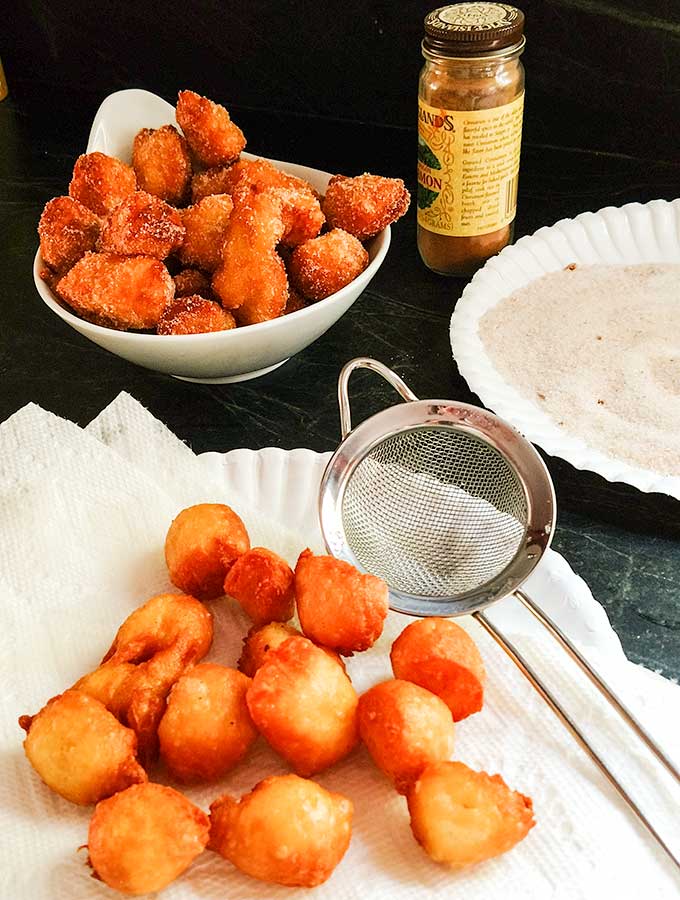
x: 576, y: 732
x: 599, y: 683
x: 365, y: 362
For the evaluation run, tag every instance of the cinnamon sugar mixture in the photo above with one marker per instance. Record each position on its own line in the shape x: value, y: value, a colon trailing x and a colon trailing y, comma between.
x: 597, y: 349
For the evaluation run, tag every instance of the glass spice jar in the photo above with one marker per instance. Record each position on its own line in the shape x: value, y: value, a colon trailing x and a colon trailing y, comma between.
x: 470, y: 107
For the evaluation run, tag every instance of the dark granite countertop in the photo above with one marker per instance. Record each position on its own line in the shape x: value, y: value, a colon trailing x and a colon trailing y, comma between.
x: 623, y: 543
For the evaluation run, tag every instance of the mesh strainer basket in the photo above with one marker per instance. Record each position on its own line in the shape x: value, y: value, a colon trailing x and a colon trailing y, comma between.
x: 453, y: 509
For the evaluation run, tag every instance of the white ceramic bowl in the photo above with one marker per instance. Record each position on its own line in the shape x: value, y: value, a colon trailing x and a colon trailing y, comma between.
x: 223, y: 356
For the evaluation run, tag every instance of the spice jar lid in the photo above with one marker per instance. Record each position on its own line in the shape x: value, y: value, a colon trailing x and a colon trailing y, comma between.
x: 468, y: 28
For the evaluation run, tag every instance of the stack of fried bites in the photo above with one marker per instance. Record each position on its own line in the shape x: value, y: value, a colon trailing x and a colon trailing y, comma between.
x: 244, y: 241
x: 153, y: 696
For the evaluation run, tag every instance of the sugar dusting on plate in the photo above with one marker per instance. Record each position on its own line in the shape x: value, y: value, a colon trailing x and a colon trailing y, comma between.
x: 597, y: 349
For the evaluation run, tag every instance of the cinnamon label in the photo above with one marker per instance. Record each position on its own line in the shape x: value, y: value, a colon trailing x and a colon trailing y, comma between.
x: 468, y: 166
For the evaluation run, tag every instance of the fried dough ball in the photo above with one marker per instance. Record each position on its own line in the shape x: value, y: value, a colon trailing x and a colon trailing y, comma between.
x: 441, y: 656
x: 461, y: 817
x: 80, y: 750
x: 324, y: 265
x: 202, y: 544
x: 214, y: 139
x: 205, y: 225
x: 302, y: 216
x: 206, y: 728
x: 338, y: 606
x: 213, y: 181
x: 142, y: 225
x: 117, y: 291
x: 194, y: 315
x: 101, y: 182
x: 287, y: 830
x: 252, y: 277
x: 365, y: 205
x: 145, y: 837
x: 162, y: 164
x: 405, y: 728
x: 304, y: 704
x: 294, y: 303
x: 258, y: 174
x: 154, y: 646
x: 191, y: 281
x: 259, y: 641
x: 262, y: 582
x: 67, y: 231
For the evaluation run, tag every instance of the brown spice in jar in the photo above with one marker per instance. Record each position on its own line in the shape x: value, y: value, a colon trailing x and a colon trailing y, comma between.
x: 479, y: 81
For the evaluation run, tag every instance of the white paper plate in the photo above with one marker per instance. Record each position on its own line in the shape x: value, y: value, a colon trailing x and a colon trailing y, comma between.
x: 634, y: 233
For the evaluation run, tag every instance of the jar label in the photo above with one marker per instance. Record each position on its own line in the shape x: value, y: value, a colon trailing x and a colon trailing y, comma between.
x: 468, y: 166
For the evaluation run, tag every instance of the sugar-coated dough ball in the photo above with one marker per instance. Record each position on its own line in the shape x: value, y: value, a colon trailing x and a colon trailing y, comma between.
x: 405, y: 728
x: 67, y: 230
x: 262, y: 582
x: 338, y: 606
x: 441, y: 656
x: 304, y: 704
x: 461, y: 817
x: 162, y: 164
x: 324, y: 265
x: 80, y: 750
x: 287, y: 830
x: 206, y: 728
x: 202, y: 544
x: 145, y: 837
x: 364, y: 205
x: 214, y: 139
x: 122, y: 292
x: 194, y: 315
x: 205, y: 225
x: 142, y: 225
x: 100, y: 182
x: 259, y: 641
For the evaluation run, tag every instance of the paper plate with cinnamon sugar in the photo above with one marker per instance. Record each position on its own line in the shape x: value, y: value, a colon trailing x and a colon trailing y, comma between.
x: 570, y: 334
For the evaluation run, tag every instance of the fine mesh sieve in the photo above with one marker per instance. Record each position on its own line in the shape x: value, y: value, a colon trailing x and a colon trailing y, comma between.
x: 453, y: 509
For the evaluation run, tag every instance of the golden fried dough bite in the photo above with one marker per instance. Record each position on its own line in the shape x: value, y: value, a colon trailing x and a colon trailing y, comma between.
x: 117, y: 291
x: 67, y: 231
x: 142, y: 225
x: 338, y: 606
x: 145, y: 837
x: 324, y: 265
x: 80, y: 750
x: 364, y: 205
x: 191, y: 281
x: 162, y: 164
x: 262, y: 582
x: 153, y: 647
x: 304, y: 704
x: 259, y: 641
x: 461, y: 817
x: 101, y: 182
x: 287, y: 830
x: 252, y: 277
x: 205, y: 224
x: 441, y: 656
x: 301, y: 213
x: 194, y: 315
x: 214, y: 139
x: 405, y: 728
x: 202, y: 544
x: 206, y: 728
x: 258, y: 174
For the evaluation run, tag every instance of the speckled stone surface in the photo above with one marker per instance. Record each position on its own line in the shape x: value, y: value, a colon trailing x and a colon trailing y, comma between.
x: 623, y: 543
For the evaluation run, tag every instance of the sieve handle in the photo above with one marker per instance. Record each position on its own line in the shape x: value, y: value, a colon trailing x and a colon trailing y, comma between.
x: 365, y: 362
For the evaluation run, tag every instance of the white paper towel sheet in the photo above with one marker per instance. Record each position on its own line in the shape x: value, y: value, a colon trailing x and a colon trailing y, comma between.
x: 83, y: 517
